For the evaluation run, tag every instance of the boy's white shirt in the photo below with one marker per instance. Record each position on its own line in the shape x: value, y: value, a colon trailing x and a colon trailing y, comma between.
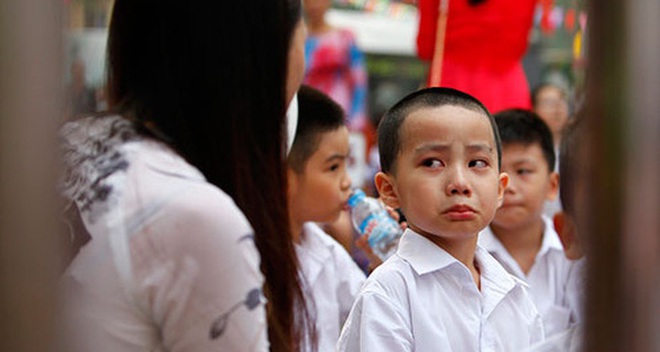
x: 423, y: 299
x: 554, y: 281
x: 570, y: 340
x: 331, y: 280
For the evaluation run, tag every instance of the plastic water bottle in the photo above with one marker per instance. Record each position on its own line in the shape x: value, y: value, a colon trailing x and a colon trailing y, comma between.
x: 370, y: 218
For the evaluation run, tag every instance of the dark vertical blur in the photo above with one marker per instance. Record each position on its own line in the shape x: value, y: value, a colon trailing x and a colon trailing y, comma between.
x: 605, y: 155
x: 30, y: 106
x: 623, y: 187
x: 641, y: 219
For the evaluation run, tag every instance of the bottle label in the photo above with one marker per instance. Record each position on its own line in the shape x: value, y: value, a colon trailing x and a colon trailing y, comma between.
x: 368, y: 223
x: 378, y: 227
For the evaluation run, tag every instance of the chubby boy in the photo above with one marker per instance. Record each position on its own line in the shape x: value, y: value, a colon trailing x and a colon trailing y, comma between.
x: 319, y: 187
x: 440, y: 159
x: 520, y: 237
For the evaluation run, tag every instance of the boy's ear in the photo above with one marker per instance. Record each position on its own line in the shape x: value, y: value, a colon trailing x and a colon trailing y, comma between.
x: 503, y: 183
x: 386, y: 189
x: 566, y: 230
x: 553, y: 190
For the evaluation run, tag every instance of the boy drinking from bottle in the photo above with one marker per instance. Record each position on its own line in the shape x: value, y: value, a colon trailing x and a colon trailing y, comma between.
x: 319, y: 188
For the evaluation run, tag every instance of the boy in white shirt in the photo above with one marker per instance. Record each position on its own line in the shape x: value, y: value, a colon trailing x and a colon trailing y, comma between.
x: 520, y: 237
x: 440, y: 159
x: 319, y: 188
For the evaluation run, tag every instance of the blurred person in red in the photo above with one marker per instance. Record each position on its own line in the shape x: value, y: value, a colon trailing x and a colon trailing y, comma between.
x: 477, y: 48
x: 334, y: 64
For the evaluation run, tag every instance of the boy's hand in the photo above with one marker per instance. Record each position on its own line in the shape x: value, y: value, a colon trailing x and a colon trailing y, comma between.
x: 363, y: 244
x: 363, y: 241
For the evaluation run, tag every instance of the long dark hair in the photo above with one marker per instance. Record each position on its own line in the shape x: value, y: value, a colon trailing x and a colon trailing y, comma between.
x: 209, y: 79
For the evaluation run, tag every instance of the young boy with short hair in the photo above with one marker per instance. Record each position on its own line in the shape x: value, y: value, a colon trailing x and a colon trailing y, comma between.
x: 440, y: 159
x: 319, y: 188
x: 520, y: 237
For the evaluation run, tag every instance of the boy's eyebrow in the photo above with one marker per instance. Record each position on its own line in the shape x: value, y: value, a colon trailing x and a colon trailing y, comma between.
x: 480, y: 147
x: 334, y: 157
x: 432, y: 147
x: 477, y: 147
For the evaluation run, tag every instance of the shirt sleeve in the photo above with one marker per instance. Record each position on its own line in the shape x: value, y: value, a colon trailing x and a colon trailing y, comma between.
x: 198, y: 276
x: 349, y: 284
x: 376, y: 324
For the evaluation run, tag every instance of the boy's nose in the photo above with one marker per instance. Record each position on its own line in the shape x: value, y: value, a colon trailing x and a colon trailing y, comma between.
x: 458, y: 184
x: 511, y: 186
x: 345, y: 183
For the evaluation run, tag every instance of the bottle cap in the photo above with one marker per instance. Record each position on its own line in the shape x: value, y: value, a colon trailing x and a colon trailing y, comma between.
x: 357, y: 196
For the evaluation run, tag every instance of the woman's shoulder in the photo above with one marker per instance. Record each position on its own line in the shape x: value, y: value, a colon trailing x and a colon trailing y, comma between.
x: 183, y: 196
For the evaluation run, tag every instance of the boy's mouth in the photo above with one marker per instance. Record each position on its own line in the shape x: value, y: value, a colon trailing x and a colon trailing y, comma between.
x: 460, y: 212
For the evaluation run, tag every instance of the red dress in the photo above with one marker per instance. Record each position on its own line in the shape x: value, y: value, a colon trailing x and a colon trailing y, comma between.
x: 483, y: 49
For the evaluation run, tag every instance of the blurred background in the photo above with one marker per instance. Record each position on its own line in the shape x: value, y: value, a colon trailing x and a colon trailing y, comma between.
x: 605, y: 53
x: 385, y: 30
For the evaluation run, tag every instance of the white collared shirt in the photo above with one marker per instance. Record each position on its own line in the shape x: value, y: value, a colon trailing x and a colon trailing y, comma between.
x: 423, y: 299
x: 331, y: 280
x: 553, y: 279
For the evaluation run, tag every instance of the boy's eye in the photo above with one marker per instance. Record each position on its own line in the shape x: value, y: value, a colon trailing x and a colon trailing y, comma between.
x: 432, y: 163
x: 523, y: 171
x: 478, y: 163
x: 334, y: 167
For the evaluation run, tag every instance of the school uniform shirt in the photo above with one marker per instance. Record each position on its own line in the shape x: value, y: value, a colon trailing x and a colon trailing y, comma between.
x: 171, y: 264
x: 571, y: 340
x: 423, y: 299
x: 331, y: 280
x: 553, y: 291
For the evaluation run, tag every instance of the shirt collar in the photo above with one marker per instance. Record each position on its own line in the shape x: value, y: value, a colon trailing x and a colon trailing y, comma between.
x: 489, y: 242
x: 492, y: 271
x: 550, y: 241
x: 423, y: 255
x: 550, y: 237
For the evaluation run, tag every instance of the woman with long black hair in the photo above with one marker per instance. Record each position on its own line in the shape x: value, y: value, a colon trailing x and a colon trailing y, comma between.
x: 181, y: 187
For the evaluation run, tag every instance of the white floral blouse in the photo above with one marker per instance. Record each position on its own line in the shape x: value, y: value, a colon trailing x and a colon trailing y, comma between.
x: 171, y: 264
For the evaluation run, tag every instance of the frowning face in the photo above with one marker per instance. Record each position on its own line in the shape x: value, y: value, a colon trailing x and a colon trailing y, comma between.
x: 446, y: 177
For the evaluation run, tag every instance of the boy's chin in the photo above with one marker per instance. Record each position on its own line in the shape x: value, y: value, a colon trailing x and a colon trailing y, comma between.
x: 332, y: 219
x: 509, y: 217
